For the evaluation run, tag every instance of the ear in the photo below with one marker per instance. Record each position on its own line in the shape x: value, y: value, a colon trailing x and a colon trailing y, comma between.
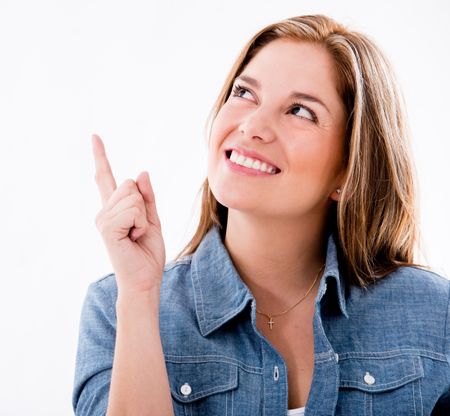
x: 336, y: 196
x: 338, y: 185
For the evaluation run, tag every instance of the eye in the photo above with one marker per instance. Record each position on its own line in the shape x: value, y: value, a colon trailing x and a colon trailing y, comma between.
x: 238, y: 91
x: 304, y: 112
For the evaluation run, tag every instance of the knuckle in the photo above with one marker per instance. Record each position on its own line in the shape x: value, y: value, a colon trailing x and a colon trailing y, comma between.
x: 129, y: 183
x: 136, y: 198
x: 102, y: 227
x: 98, y: 219
x: 128, y: 187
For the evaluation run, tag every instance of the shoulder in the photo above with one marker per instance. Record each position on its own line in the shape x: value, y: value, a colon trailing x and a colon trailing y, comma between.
x: 404, y: 287
x: 409, y: 299
x: 408, y: 289
x: 175, y: 277
x: 104, y: 286
x: 99, y: 302
x: 411, y: 281
x: 411, y: 294
x: 407, y: 309
x: 174, y: 269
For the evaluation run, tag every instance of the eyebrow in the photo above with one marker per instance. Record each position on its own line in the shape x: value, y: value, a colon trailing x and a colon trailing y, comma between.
x: 294, y: 94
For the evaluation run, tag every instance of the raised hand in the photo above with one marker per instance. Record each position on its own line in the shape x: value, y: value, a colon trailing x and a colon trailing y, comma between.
x: 130, y: 227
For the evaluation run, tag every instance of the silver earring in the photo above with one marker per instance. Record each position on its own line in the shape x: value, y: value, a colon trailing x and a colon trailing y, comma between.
x: 338, y: 190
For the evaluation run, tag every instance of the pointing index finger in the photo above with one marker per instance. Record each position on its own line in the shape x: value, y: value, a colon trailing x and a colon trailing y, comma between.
x: 103, y: 173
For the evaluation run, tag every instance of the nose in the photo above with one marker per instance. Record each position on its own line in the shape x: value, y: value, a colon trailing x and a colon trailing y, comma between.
x: 257, y: 125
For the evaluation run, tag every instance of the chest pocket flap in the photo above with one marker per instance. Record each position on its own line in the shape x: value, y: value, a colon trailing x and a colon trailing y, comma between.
x: 376, y: 373
x: 190, y: 381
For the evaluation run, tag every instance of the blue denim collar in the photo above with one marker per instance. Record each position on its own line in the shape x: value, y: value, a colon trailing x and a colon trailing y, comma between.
x: 220, y: 293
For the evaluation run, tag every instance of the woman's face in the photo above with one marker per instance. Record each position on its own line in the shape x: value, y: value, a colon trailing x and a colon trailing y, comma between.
x: 285, y: 111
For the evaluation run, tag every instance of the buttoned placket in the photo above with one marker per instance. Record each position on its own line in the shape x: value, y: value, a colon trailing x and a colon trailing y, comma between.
x: 324, y: 389
x: 323, y: 392
x: 275, y: 394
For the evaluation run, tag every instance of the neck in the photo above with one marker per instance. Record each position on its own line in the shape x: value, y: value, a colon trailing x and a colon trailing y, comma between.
x: 277, y: 260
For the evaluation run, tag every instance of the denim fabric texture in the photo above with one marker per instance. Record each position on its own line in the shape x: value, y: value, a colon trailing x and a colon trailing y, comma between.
x: 385, y: 351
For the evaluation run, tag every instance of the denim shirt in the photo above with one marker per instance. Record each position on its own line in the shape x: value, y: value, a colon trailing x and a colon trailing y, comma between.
x: 384, y: 351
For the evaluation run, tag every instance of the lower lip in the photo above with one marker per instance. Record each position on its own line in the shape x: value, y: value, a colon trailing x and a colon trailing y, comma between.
x: 245, y: 171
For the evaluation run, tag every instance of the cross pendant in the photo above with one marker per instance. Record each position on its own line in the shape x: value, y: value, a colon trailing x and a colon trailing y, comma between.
x: 271, y: 322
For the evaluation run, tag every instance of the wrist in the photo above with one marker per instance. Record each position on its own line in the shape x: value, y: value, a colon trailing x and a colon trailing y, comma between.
x: 128, y: 300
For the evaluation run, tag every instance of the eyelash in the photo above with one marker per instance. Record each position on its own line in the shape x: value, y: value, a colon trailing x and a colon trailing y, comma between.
x: 238, y: 88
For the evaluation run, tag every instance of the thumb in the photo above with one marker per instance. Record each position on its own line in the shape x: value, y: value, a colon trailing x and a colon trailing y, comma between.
x: 145, y: 188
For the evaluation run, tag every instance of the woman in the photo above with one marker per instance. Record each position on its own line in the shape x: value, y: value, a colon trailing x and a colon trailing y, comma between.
x: 298, y: 293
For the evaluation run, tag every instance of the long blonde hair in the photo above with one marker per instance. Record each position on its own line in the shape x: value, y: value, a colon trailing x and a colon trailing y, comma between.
x: 375, y: 220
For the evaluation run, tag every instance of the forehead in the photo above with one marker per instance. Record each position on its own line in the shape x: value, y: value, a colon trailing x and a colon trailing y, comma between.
x: 295, y: 65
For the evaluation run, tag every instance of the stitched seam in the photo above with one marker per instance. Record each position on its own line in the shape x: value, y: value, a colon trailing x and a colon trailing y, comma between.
x: 229, y: 314
x: 446, y: 327
x: 207, y: 392
x: 263, y: 378
x: 171, y: 265
x: 380, y: 355
x: 226, y: 404
x: 393, y: 383
x: 414, y: 392
x: 232, y: 402
x: 200, y: 313
x: 326, y: 353
x: 337, y: 383
x: 410, y: 377
x: 286, y: 387
x: 326, y: 357
x: 212, y: 358
x: 369, y: 404
x: 420, y: 396
x: 103, y: 277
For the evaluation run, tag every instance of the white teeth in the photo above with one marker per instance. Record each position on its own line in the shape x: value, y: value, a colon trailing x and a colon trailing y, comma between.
x: 240, y: 160
x: 256, y: 164
x: 251, y: 163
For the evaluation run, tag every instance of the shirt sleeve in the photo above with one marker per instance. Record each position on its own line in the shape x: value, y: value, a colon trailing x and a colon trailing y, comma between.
x: 442, y: 407
x: 95, y: 353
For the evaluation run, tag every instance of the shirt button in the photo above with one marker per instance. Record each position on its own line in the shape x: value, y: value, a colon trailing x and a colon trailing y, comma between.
x: 276, y: 373
x: 186, y: 389
x: 369, y: 378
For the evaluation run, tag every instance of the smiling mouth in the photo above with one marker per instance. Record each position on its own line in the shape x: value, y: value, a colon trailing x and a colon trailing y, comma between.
x: 251, y: 163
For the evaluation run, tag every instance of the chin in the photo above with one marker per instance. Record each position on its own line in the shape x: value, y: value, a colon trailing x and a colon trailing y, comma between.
x: 232, y: 197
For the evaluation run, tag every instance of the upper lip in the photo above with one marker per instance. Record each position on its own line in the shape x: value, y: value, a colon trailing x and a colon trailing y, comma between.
x: 252, y: 154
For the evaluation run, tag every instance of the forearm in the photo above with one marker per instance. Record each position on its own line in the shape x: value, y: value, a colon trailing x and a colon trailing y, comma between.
x: 139, y: 382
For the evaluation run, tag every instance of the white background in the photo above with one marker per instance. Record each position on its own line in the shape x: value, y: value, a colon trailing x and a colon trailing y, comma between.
x: 144, y: 75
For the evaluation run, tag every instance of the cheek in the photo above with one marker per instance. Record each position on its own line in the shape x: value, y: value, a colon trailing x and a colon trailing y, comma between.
x: 222, y: 127
x: 214, y: 143
x: 218, y: 132
x: 223, y: 122
x: 333, y: 155
x: 316, y: 161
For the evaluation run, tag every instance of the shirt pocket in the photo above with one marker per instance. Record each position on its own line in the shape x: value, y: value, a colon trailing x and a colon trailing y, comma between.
x: 201, y: 387
x: 380, y: 384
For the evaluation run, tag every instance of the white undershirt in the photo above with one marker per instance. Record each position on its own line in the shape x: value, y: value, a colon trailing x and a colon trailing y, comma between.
x: 300, y: 411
